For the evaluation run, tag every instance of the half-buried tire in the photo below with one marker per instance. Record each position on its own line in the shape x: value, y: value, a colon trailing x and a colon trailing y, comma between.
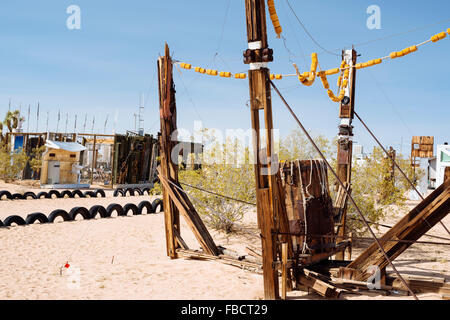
x: 90, y: 194
x: 67, y: 193
x: 130, y: 191
x: 131, y: 206
x: 79, y: 210
x: 138, y: 191
x: 17, y: 196
x: 100, y: 192
x: 115, y: 207
x: 37, y: 216
x: 117, y: 192
x: 145, y: 205
x: 5, y: 194
x: 58, y: 213
x: 98, y: 209
x: 78, y: 193
x: 55, y: 193
x: 29, y: 194
x: 42, y: 194
x: 1, y: 223
x: 146, y: 190
x: 157, y: 203
x: 14, y: 219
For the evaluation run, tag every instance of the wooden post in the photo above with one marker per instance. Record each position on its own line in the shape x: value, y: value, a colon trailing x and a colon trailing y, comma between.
x: 167, y: 109
x: 257, y: 56
x: 447, y: 174
x: 284, y: 271
x: 345, y: 142
x: 113, y: 154
x: 93, y: 159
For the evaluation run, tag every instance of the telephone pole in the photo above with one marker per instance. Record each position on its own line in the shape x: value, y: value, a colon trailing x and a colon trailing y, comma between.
x: 345, y: 144
x: 258, y: 55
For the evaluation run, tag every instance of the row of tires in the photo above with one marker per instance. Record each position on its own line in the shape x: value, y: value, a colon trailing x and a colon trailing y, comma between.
x: 86, y: 213
x: 123, y: 192
x: 4, y: 194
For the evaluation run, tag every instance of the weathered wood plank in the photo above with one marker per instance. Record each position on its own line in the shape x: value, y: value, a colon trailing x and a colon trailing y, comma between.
x: 167, y: 108
x: 411, y: 227
x: 192, y: 218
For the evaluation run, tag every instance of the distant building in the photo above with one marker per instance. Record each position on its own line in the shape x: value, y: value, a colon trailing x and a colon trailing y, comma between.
x: 437, y: 165
x: 358, y: 154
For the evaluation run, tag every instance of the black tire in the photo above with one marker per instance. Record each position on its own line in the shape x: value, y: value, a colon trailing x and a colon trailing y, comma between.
x: 67, y: 193
x: 14, y: 219
x: 1, y: 223
x: 117, y: 192
x: 98, y: 209
x: 146, y: 190
x: 58, y: 213
x: 138, y: 191
x: 54, y: 192
x: 145, y: 204
x: 78, y: 193
x: 132, y: 207
x: 115, y: 207
x: 157, y: 203
x: 100, y: 192
x: 29, y: 194
x: 32, y: 217
x: 42, y: 194
x: 6, y: 194
x: 130, y: 191
x: 17, y: 196
x: 79, y: 210
x: 90, y: 194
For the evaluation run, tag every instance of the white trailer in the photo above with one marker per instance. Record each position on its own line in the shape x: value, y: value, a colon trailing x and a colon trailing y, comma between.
x: 442, y: 161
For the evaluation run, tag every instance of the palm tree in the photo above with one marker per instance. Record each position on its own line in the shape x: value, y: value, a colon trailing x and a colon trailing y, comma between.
x: 12, y: 119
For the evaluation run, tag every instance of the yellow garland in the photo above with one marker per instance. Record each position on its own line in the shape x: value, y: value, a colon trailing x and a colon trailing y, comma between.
x: 308, y: 78
x: 274, y: 18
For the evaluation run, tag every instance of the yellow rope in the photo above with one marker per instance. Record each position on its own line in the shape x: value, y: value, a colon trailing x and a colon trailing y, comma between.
x: 274, y: 18
x: 308, y: 78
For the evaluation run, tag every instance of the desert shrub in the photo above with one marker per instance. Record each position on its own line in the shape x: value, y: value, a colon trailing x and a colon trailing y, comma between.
x: 156, y: 190
x: 35, y: 159
x: 230, y: 179
x: 375, y: 190
x: 11, y: 163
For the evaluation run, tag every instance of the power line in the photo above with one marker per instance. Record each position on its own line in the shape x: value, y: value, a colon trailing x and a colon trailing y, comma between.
x: 388, y: 100
x: 401, y: 33
x: 308, y: 33
x: 393, y: 35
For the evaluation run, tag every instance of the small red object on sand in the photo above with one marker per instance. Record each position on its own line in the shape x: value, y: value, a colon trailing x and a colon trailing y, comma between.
x: 67, y: 265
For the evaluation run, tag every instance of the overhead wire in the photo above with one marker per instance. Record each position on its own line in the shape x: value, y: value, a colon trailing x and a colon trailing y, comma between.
x: 308, y: 33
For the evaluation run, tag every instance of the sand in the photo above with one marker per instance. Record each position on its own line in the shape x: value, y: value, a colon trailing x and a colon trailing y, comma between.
x: 125, y: 258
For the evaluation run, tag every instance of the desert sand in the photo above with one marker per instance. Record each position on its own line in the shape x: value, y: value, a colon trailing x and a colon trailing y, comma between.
x: 125, y: 257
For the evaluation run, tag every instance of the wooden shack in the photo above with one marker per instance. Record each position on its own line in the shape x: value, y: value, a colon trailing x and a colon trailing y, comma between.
x: 59, y: 163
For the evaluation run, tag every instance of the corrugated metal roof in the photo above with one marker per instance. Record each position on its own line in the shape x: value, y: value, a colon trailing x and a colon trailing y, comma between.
x: 68, y: 146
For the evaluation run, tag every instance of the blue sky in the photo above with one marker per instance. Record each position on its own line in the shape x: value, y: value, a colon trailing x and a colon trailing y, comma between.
x: 103, y: 68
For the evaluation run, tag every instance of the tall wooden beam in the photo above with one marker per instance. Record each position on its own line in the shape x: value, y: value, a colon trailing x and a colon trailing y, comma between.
x: 345, y: 141
x: 167, y: 109
x: 257, y: 56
